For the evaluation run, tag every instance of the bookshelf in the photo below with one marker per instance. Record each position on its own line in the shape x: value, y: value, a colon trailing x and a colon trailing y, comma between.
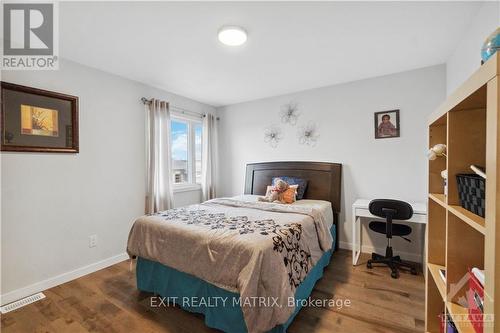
x: 468, y: 122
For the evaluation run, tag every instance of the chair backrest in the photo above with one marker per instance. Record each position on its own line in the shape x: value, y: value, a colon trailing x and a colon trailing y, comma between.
x: 401, y: 210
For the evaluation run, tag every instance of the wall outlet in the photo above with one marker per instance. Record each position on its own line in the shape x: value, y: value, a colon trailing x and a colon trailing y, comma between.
x: 93, y: 241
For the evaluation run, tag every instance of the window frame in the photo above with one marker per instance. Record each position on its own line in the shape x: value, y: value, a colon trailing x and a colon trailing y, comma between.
x: 190, y: 121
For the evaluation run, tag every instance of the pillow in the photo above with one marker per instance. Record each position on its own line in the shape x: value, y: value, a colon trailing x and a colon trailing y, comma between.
x: 295, y: 181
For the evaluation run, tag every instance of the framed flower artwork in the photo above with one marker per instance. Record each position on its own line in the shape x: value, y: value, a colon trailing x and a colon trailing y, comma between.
x: 35, y: 120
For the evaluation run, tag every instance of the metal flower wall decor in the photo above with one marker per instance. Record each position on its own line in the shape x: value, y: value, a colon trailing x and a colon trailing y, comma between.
x: 289, y: 113
x: 308, y: 134
x: 272, y: 135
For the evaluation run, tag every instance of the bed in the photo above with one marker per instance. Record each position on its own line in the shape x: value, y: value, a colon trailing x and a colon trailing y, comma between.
x: 245, y: 265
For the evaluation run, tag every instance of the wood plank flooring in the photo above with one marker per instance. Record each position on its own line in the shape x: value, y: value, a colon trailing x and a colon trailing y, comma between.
x: 108, y: 301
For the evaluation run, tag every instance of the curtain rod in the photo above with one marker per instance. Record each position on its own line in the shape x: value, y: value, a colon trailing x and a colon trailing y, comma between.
x: 144, y: 100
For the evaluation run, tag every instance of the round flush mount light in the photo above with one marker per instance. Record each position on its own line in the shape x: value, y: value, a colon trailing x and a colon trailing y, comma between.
x: 232, y: 35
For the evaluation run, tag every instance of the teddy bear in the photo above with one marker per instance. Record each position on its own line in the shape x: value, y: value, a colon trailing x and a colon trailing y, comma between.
x: 276, y: 192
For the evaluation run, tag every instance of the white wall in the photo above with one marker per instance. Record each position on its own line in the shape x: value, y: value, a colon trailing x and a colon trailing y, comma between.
x: 467, y: 56
x: 53, y: 202
x: 371, y: 168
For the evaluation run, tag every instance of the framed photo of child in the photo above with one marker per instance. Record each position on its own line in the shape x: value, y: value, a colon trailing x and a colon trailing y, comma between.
x: 387, y: 124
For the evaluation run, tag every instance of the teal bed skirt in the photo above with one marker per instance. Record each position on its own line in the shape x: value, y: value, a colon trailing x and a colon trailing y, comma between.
x: 175, y: 285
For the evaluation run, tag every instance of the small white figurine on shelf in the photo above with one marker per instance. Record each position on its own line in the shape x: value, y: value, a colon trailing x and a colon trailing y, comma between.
x: 444, y: 175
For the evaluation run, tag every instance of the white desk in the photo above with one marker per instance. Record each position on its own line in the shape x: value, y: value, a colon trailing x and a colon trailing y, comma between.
x: 360, y: 209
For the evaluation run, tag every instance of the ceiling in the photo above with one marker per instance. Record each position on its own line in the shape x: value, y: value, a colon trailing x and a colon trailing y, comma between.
x: 292, y: 46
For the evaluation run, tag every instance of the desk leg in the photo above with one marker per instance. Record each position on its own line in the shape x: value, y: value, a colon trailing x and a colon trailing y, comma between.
x: 356, y: 238
x: 353, y: 231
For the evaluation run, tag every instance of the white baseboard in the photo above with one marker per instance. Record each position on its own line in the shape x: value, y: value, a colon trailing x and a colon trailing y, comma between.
x: 60, y: 279
x: 415, y: 257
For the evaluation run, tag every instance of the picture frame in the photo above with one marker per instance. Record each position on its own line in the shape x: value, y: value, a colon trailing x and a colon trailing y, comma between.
x: 36, y: 120
x: 387, y: 124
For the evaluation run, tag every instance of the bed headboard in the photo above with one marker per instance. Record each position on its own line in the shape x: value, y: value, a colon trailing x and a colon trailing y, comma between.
x: 324, y: 179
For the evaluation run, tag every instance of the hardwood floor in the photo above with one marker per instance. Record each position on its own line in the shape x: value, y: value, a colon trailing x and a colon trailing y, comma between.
x: 108, y: 301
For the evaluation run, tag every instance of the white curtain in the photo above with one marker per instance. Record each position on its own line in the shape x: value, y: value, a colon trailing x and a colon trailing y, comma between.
x: 158, y: 157
x: 209, y: 157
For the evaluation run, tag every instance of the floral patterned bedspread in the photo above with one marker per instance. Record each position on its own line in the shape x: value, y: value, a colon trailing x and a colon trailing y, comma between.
x: 262, y: 251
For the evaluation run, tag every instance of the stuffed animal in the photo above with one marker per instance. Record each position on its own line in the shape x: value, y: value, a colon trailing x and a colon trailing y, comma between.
x: 275, y: 194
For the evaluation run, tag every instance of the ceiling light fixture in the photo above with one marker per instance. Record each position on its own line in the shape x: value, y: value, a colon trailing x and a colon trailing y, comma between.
x: 232, y: 35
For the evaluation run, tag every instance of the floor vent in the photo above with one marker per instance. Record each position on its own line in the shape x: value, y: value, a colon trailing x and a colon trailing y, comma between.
x: 22, y: 302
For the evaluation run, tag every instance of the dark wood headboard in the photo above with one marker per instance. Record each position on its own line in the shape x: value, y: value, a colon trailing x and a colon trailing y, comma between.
x: 324, y: 179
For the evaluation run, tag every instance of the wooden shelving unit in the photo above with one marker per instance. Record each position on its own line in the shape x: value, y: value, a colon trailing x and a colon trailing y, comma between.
x: 468, y: 123
x: 438, y: 198
x: 440, y: 284
x: 475, y: 221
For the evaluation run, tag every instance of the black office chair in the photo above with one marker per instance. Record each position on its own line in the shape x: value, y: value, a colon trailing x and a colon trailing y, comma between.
x: 391, y: 210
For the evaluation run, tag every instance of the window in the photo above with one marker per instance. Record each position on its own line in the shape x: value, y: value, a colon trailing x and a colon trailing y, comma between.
x: 186, y: 151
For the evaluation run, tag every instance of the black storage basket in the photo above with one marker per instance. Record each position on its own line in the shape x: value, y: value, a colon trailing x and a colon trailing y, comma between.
x: 472, y: 193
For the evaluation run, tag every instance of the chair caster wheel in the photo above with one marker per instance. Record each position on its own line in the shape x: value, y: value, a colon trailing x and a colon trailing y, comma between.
x: 413, y: 271
x: 369, y: 264
x: 394, y: 275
